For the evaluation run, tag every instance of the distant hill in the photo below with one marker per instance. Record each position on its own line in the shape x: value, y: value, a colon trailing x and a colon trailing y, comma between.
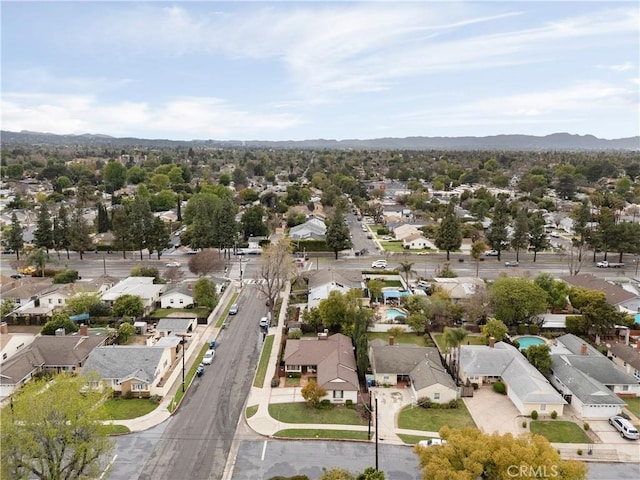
x: 556, y: 141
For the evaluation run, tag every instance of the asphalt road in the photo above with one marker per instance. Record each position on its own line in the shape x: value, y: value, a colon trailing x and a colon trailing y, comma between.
x: 197, y: 440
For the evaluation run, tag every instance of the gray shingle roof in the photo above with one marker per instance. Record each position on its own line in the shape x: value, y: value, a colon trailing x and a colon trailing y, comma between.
x: 123, y: 362
x: 628, y: 354
x: 587, y: 389
x: 615, y: 294
x: 574, y: 345
x: 601, y: 369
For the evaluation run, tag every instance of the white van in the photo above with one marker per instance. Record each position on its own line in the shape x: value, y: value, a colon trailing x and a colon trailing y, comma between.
x: 379, y: 264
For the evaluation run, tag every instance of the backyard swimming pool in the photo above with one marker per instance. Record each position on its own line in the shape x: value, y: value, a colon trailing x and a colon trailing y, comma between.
x: 392, y: 313
x: 526, y: 342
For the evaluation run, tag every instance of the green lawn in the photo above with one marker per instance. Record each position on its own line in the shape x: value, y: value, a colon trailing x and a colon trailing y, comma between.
x: 115, y: 429
x: 319, y: 433
x: 300, y: 412
x: 412, y: 439
x: 395, y: 247
x: 225, y: 313
x: 187, y: 378
x: 264, y: 361
x: 123, y: 409
x: 470, y: 340
x: 433, y: 419
x: 559, y: 432
x: 251, y: 411
x: 633, y: 404
x: 200, y: 312
x: 292, y: 382
x: 411, y: 338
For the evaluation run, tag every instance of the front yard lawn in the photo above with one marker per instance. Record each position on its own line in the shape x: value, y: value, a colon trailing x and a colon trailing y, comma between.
x: 200, y: 312
x: 412, y: 439
x: 319, y: 433
x: 433, y: 419
x: 123, y: 409
x: 300, y: 412
x: 633, y: 404
x: 559, y: 432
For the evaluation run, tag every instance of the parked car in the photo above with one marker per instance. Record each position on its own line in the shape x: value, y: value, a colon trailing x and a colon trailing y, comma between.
x: 264, y: 322
x: 491, y: 253
x: 208, y: 356
x: 173, y: 264
x: 234, y: 309
x: 200, y: 370
x: 625, y: 427
x: 17, y: 275
x: 511, y: 264
x: 431, y: 442
x: 379, y: 264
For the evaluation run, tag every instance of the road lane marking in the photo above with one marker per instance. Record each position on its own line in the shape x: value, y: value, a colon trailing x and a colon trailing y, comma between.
x: 264, y: 450
x: 108, y: 467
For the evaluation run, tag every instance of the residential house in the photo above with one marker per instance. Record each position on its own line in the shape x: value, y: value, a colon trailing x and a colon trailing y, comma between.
x: 312, y: 229
x: 131, y: 368
x: 178, y: 296
x: 331, y: 359
x: 626, y: 357
x: 526, y: 387
x: 417, y: 241
x: 168, y: 327
x: 323, y: 282
x: 616, y: 295
x: 460, y: 289
x: 66, y: 353
x: 420, y: 368
x: 142, y: 287
x: 12, y: 343
x: 405, y: 231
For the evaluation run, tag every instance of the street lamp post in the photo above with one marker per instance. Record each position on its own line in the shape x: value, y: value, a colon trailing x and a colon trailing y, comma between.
x: 183, y: 341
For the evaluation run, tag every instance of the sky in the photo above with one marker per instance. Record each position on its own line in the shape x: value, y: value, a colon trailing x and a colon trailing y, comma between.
x: 301, y: 70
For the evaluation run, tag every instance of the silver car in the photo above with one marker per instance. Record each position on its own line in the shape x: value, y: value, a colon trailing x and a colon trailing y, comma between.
x: 208, y: 356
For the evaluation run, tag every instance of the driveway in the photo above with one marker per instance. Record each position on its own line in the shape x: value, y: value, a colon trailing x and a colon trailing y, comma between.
x: 494, y: 412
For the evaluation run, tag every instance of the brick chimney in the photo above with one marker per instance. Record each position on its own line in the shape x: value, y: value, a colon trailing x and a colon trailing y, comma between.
x: 583, y: 349
x: 4, y: 328
x: 84, y: 330
x: 492, y: 342
x: 391, y: 339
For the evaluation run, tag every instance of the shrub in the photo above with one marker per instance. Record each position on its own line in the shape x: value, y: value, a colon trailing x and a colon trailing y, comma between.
x: 128, y: 395
x: 522, y: 329
x: 579, y: 451
x: 294, y: 375
x: 67, y: 276
x: 499, y: 387
x: 294, y: 334
x: 453, y: 404
x: 585, y: 426
x: 554, y: 415
x: 155, y: 398
x: 534, y: 415
x: 325, y: 404
x: 275, y: 381
x: 349, y: 403
x: 435, y: 405
x: 475, y: 386
x: 524, y: 424
x: 534, y: 329
x: 424, y: 402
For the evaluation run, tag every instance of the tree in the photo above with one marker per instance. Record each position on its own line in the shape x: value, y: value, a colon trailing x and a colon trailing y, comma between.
x: 6, y: 307
x: 252, y: 224
x: 406, y: 268
x: 517, y: 300
x: 140, y: 222
x: 79, y: 239
x: 477, y: 251
x: 497, y: 236
x: 158, y: 237
x: 14, y: 240
x: 520, y: 238
x: 43, y: 234
x: 128, y: 306
x: 337, y: 235
x: 335, y: 473
x: 146, y: 271
x: 206, y: 261
x: 61, y: 227
x: 581, y: 217
x: 312, y: 393
x: 453, y: 338
x: 120, y: 229
x: 449, y: 235
x: 114, y: 175
x: 361, y: 323
x: 471, y: 454
x: 337, y: 312
x: 59, y: 320
x: 538, y: 237
x: 125, y: 331
x: 204, y: 293
x: 276, y: 268
x: 38, y: 258
x: 557, y: 291
x: 540, y: 357
x: 494, y: 328
x: 53, y: 431
x: 82, y: 303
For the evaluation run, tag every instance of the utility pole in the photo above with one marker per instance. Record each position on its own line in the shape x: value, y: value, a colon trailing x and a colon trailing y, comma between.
x: 377, y: 434
x: 183, y: 336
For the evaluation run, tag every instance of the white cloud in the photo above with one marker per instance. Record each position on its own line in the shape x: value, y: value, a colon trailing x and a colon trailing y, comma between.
x: 183, y: 118
x: 623, y: 67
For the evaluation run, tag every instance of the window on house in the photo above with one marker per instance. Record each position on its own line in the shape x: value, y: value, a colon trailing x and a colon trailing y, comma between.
x: 171, y: 301
x: 50, y: 301
x: 436, y: 396
x: 543, y: 407
x: 181, y: 301
x: 59, y: 301
x: 136, y: 387
x: 625, y: 388
x: 337, y: 394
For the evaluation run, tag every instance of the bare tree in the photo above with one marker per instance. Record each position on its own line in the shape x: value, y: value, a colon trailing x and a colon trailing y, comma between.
x: 575, y: 259
x: 276, y: 269
x: 205, y: 262
x: 173, y: 274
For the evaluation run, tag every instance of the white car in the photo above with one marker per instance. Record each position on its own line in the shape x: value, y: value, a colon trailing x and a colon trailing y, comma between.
x: 173, y: 264
x: 208, y: 356
x: 625, y: 427
x: 491, y: 253
x: 431, y: 442
x: 379, y: 264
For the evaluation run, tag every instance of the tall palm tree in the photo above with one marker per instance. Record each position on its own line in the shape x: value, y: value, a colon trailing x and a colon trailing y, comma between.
x: 406, y: 268
x: 38, y: 258
x: 453, y: 338
x: 477, y: 250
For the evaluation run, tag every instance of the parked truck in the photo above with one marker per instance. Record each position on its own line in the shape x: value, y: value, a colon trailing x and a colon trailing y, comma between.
x: 605, y: 264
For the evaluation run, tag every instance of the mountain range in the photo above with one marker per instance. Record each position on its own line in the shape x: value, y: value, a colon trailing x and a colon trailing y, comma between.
x: 556, y: 141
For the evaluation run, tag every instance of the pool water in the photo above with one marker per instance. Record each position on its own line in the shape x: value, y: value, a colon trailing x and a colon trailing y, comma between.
x: 392, y: 313
x: 526, y: 342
